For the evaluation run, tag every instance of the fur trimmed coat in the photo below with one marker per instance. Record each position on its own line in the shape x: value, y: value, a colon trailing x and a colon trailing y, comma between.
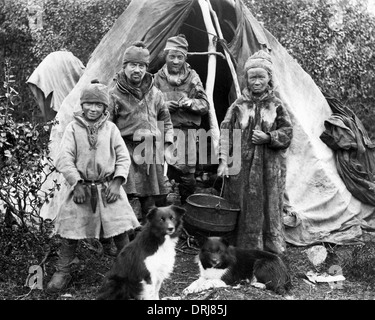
x: 190, y: 86
x: 258, y: 186
x: 93, y: 153
x: 141, y: 112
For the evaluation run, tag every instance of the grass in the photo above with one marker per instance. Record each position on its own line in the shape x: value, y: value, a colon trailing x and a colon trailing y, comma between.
x: 357, y: 263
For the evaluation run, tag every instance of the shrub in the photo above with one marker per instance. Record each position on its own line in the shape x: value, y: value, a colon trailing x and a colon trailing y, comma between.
x: 24, y: 163
x: 26, y: 44
x: 334, y: 43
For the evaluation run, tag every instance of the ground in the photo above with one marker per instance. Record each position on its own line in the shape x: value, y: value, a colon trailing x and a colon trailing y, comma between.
x: 357, y: 263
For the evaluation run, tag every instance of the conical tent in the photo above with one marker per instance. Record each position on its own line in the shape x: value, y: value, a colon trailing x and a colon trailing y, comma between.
x: 327, y: 210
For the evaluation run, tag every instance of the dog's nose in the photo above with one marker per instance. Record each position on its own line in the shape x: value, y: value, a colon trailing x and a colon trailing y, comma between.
x: 170, y: 229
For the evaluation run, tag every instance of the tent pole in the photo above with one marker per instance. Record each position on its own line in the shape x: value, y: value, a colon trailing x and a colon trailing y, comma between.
x: 211, y: 72
x: 230, y: 63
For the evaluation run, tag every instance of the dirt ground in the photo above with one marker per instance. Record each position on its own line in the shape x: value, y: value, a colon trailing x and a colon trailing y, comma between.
x: 88, y: 276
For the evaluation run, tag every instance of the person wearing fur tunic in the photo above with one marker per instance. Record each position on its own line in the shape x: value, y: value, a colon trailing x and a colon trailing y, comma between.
x: 187, y: 103
x: 138, y: 109
x: 266, y: 132
x: 94, y: 161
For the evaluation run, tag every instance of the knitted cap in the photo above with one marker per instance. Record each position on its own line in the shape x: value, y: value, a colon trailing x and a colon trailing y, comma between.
x: 178, y: 43
x: 137, y: 52
x: 95, y: 92
x: 260, y: 59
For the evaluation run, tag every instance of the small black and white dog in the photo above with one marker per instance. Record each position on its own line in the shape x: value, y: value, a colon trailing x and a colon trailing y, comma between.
x: 141, y: 267
x: 221, y: 264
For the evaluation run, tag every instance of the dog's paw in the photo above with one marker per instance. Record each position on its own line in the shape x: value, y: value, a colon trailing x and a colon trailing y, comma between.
x: 258, y: 285
x: 216, y: 283
x: 203, y: 284
x: 193, y: 287
x: 254, y: 282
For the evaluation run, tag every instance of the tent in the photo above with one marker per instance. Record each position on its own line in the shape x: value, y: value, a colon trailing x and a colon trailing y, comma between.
x: 326, y: 209
x: 53, y: 79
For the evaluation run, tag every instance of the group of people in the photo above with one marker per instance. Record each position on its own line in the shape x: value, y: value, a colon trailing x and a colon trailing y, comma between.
x: 122, y: 143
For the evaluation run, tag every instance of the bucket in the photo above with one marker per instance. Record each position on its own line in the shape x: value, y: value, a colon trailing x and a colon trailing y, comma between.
x: 211, y: 213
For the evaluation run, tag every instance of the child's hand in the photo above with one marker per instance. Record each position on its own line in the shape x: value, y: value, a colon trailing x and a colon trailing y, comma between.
x: 79, y: 193
x: 113, y: 190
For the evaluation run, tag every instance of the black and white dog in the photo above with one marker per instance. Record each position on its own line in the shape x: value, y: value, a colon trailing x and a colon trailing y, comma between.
x: 141, y: 267
x: 221, y: 264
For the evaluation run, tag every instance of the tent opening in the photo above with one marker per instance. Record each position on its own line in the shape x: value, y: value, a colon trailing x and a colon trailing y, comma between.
x: 195, y: 31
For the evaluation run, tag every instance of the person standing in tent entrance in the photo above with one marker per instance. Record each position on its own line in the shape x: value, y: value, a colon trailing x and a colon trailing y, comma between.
x: 137, y: 107
x: 94, y: 161
x: 266, y: 131
x: 187, y: 102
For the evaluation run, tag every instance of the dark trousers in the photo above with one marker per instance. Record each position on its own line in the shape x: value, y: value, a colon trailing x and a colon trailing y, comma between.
x: 186, y: 182
x: 151, y: 201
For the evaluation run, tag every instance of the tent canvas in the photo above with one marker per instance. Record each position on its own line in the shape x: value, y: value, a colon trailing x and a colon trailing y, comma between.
x: 328, y: 212
x: 53, y: 79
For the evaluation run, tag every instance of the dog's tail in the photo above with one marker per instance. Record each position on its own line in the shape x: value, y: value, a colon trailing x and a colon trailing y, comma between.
x: 274, y: 274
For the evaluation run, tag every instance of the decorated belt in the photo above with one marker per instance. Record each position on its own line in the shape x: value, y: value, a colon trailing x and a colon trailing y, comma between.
x: 94, y: 190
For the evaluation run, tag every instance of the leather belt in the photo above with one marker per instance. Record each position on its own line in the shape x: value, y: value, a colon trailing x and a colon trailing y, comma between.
x: 94, y: 190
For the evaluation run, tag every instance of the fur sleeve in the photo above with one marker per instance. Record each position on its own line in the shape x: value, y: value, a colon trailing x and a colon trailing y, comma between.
x: 282, y: 136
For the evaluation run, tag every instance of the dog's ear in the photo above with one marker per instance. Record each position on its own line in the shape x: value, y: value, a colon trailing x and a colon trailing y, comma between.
x: 180, y: 211
x: 224, y: 240
x: 202, y: 239
x: 151, y: 212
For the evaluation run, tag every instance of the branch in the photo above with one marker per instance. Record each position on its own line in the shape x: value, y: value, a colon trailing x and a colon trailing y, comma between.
x: 230, y: 64
x: 206, y: 53
x: 211, y: 72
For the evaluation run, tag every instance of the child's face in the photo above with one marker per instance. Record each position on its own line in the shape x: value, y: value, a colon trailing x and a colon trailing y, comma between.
x: 92, y: 110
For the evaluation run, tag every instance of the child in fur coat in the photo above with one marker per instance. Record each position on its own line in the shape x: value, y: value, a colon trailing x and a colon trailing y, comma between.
x: 95, y: 162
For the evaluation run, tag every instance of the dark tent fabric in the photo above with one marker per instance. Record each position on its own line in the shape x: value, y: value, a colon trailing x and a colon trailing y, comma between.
x: 327, y: 211
x: 355, y: 153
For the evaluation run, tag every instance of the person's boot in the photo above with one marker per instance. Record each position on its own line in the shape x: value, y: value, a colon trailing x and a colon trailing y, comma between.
x: 62, y: 277
x: 108, y: 247
x: 146, y: 204
x: 121, y: 241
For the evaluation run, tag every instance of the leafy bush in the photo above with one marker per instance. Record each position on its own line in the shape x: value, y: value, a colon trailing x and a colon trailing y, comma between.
x: 90, y: 20
x: 24, y: 163
x: 26, y: 44
x: 334, y: 43
x: 16, y: 45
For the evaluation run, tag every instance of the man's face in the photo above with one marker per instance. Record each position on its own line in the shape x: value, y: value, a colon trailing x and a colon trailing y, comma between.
x: 135, y: 72
x: 175, y: 60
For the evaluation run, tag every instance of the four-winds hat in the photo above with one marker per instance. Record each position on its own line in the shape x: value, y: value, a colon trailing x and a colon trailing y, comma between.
x: 260, y: 59
x: 95, y: 92
x: 137, y: 53
x: 178, y: 43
